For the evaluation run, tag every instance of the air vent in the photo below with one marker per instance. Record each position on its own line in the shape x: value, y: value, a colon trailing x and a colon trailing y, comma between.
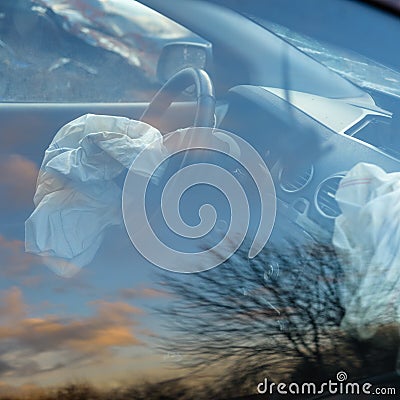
x: 293, y: 181
x: 325, y: 196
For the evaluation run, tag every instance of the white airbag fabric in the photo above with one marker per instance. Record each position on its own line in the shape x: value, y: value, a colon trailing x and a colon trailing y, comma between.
x: 367, y: 239
x: 76, y: 197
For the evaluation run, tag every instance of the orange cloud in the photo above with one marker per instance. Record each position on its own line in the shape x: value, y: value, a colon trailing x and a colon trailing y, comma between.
x: 31, y: 281
x: 132, y: 293
x: 17, y: 182
x: 79, y: 340
x: 13, y: 259
x: 12, y: 306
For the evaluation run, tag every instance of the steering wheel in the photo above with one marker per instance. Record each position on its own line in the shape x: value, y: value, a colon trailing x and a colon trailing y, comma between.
x: 205, y: 112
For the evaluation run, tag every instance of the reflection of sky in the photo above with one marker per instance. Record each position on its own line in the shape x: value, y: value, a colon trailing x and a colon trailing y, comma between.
x: 54, y: 329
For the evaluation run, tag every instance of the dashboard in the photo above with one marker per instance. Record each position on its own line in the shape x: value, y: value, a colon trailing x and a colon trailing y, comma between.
x: 306, y: 159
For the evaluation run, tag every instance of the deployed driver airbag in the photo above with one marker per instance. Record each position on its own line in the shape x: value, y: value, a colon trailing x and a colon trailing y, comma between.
x: 77, y: 196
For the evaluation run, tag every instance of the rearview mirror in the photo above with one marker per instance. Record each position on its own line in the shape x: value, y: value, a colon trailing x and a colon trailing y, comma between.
x: 177, y: 56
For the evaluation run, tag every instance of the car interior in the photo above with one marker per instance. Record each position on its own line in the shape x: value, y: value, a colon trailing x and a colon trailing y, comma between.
x: 310, y: 124
x: 240, y: 75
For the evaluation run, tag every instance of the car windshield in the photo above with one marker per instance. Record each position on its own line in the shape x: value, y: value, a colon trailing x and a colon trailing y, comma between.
x: 365, y: 60
x: 75, y: 51
x: 357, y: 68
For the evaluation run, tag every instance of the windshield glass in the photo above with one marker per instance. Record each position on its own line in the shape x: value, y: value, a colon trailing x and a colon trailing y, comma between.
x: 360, y: 48
x: 78, y: 50
x: 357, y: 68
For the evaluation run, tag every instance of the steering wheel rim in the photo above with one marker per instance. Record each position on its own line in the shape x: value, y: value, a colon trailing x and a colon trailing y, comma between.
x: 205, y: 97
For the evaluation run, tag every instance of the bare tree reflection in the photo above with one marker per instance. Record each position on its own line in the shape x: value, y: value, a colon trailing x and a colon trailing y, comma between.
x: 276, y: 316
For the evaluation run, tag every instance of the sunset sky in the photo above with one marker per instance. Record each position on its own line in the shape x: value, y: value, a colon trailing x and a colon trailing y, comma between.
x: 97, y: 325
